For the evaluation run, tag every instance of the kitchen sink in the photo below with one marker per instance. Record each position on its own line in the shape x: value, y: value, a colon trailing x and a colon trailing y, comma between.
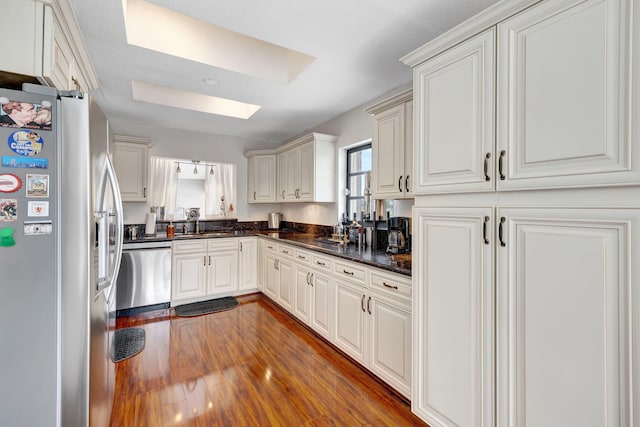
x: 216, y: 234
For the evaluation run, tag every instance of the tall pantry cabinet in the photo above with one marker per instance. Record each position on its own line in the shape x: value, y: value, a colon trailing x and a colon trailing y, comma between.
x: 527, y: 210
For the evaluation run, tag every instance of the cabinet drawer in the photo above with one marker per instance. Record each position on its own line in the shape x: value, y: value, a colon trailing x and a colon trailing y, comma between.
x: 286, y: 251
x: 321, y: 262
x: 390, y: 284
x: 229, y: 244
x: 270, y: 246
x: 302, y: 257
x: 195, y: 245
x: 350, y: 271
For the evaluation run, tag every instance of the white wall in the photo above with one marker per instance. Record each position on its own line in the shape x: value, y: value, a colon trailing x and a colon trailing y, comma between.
x: 351, y: 128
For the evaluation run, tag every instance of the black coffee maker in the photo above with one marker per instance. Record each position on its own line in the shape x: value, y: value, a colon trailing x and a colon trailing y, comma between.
x: 399, y: 235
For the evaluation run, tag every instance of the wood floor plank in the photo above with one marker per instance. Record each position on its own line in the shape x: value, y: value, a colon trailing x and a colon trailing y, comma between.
x: 250, y: 366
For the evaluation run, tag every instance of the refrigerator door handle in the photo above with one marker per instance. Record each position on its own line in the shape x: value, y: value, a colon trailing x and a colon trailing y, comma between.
x: 119, y: 217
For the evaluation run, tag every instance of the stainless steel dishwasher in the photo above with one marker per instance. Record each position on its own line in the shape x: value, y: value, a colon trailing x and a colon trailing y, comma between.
x: 144, y: 281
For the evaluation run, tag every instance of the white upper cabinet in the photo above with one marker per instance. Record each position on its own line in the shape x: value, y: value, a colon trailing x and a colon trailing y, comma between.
x: 261, y: 183
x: 50, y: 47
x: 130, y: 159
x: 307, y: 169
x: 454, y: 103
x: 564, y: 93
x: 562, y: 104
x: 392, y: 147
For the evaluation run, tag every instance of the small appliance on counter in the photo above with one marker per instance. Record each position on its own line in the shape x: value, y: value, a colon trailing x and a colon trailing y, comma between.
x: 399, y: 235
x: 274, y: 220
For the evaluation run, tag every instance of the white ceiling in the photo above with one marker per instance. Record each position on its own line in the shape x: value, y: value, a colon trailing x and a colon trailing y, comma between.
x: 357, y: 45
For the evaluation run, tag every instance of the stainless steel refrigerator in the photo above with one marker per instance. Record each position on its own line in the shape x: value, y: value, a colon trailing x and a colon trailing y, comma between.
x: 60, y: 249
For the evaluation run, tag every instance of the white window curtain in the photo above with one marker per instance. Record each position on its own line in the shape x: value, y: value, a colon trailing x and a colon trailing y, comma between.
x: 220, y: 197
x: 163, y: 184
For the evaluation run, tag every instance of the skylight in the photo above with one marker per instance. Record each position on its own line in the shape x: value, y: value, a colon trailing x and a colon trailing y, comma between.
x: 154, y: 94
x: 166, y: 31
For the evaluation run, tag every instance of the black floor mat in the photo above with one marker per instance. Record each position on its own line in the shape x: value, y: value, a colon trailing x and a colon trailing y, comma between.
x: 206, y: 307
x: 127, y: 343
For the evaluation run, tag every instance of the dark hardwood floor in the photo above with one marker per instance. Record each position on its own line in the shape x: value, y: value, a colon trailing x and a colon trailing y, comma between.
x: 249, y: 366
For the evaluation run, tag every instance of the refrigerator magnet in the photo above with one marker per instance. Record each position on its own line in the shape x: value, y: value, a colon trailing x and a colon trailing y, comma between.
x: 25, y: 142
x: 8, y: 210
x: 20, y: 114
x: 6, y: 237
x: 24, y: 162
x: 35, y: 228
x: 37, y: 208
x: 9, y: 183
x: 37, y: 185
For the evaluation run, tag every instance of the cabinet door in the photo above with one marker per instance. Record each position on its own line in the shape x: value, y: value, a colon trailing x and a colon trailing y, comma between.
x: 292, y: 183
x: 390, y: 342
x: 388, y: 153
x: 350, y: 323
x: 58, y: 60
x: 307, y: 172
x: 188, y: 275
x: 130, y: 162
x: 285, y: 296
x: 222, y: 272
x: 248, y: 264
x: 408, y: 149
x: 453, y: 378
x: 302, y: 302
x: 454, y: 98
x: 322, y: 303
x: 282, y: 169
x: 566, y: 326
x: 564, y: 96
x: 262, y: 179
x: 272, y: 276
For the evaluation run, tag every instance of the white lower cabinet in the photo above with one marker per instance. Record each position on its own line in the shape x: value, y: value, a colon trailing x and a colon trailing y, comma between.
x: 248, y: 263
x: 364, y: 311
x: 322, y: 290
x: 222, y: 266
x: 203, y: 268
x: 565, y: 334
x: 351, y: 328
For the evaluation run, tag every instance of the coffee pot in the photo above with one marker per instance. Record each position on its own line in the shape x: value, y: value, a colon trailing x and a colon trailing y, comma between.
x: 399, y: 239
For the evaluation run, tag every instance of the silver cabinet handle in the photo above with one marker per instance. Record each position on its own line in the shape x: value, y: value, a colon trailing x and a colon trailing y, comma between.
x: 284, y: 251
x: 302, y: 257
x: 369, y: 305
x: 209, y: 259
x: 406, y: 183
x: 204, y: 260
x: 283, y: 194
x: 400, y: 184
x: 500, y: 167
x: 311, y: 279
x: 486, y: 167
x: 321, y: 263
x: 240, y: 246
x: 269, y: 247
x: 350, y: 273
x: 484, y: 230
x: 500, y: 237
x: 254, y: 195
x: 308, y: 274
x: 362, y: 303
x: 386, y: 285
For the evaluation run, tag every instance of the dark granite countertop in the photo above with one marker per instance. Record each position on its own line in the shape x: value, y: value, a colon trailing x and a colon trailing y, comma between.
x: 395, y: 263
x: 400, y: 264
